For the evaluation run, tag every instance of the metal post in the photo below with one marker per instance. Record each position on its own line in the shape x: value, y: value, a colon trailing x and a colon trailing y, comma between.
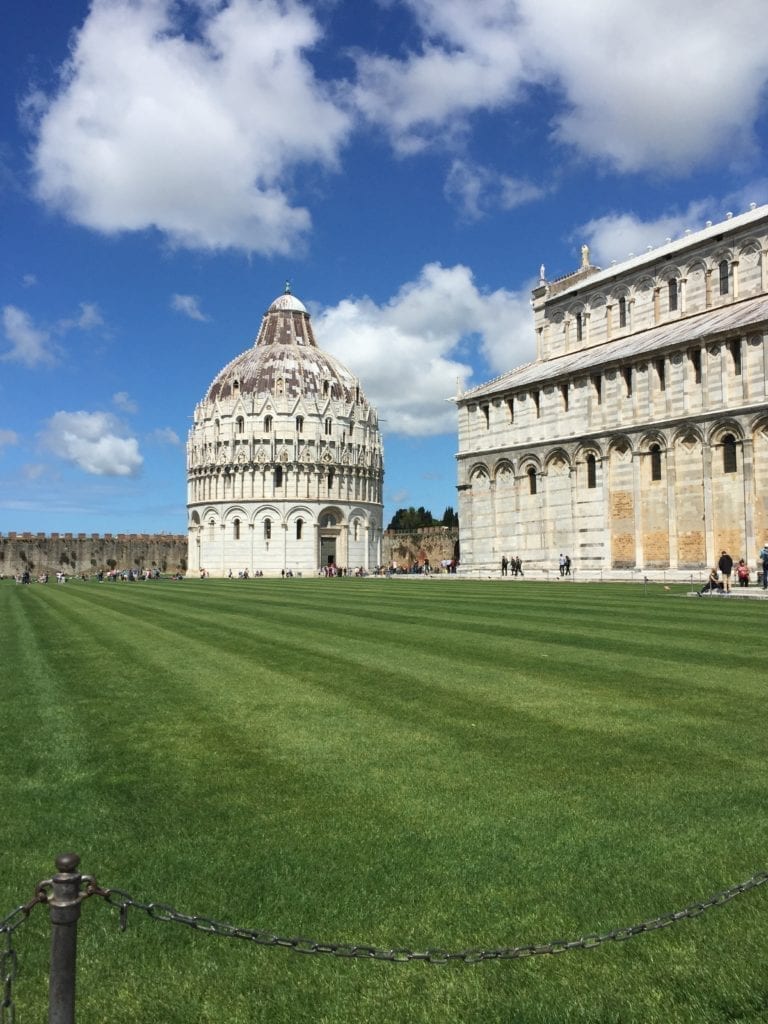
x: 65, y: 911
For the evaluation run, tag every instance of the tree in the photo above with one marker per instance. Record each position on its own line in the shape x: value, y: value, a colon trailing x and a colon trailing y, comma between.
x: 450, y: 518
x: 410, y: 519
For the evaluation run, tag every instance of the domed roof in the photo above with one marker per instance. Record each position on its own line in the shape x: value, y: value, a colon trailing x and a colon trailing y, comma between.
x: 285, y: 360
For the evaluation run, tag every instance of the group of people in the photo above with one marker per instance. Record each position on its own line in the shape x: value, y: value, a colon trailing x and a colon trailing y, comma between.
x: 565, y: 564
x: 719, y: 580
x: 511, y: 566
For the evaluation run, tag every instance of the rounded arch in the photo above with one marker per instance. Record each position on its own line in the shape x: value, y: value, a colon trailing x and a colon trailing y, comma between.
x: 758, y: 424
x: 689, y: 433
x: 195, y: 518
x: 528, y: 461
x: 502, y: 469
x: 558, y: 454
x: 721, y: 428
x: 748, y: 246
x: 331, y: 512
x: 266, y: 512
x: 644, y: 284
x: 620, y: 444
x: 651, y: 437
x: 697, y: 265
x: 479, y: 471
x: 723, y: 253
x: 585, y: 448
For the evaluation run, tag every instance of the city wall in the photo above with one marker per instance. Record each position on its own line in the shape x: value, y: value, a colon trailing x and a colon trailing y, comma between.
x: 434, y: 544
x: 77, y: 553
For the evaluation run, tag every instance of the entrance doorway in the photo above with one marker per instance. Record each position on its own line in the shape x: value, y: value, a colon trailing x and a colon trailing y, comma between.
x: 327, y: 551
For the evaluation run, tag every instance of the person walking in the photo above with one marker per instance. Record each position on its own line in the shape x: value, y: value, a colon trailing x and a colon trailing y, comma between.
x: 725, y: 565
x: 764, y: 563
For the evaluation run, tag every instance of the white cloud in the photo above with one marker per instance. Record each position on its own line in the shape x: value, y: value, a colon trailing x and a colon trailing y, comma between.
x: 193, y: 135
x: 617, y: 235
x: 8, y: 437
x: 165, y: 435
x: 123, y: 401
x: 653, y: 86
x: 94, y: 442
x: 189, y: 305
x: 407, y: 352
x: 479, y: 190
x: 29, y: 344
x: 29, y: 280
x: 87, y: 319
x: 33, y: 470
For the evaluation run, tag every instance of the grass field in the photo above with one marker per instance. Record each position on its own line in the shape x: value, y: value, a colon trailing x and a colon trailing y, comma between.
x: 401, y: 763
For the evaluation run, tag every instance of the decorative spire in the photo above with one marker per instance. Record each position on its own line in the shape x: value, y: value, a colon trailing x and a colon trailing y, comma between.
x: 287, y: 287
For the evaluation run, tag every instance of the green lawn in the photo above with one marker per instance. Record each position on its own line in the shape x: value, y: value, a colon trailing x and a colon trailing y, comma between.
x: 400, y: 763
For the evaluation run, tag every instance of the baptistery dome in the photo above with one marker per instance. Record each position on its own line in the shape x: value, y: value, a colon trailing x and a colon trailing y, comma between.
x: 284, y: 459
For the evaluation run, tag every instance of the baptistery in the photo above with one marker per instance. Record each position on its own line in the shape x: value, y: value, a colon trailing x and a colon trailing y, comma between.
x: 284, y: 460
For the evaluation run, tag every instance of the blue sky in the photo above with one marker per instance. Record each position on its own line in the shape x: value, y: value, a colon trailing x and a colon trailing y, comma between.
x: 407, y: 164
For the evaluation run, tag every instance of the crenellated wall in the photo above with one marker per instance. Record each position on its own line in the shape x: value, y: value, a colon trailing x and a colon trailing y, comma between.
x: 77, y: 553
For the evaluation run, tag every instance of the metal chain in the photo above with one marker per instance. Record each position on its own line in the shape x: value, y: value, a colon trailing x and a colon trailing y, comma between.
x: 163, y: 912
x: 9, y: 962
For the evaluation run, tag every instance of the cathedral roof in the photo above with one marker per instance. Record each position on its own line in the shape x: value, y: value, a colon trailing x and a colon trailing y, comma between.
x: 285, y: 359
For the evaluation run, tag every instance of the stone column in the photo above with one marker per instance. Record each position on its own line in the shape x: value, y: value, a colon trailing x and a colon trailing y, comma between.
x: 706, y: 476
x: 672, y: 504
x: 748, y: 471
x: 637, y: 468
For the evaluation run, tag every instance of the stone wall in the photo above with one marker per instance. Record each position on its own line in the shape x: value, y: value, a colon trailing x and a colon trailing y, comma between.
x: 88, y: 553
x: 434, y: 544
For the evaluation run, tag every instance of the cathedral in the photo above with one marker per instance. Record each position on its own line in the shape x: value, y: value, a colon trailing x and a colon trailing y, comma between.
x: 638, y: 437
x: 284, y: 460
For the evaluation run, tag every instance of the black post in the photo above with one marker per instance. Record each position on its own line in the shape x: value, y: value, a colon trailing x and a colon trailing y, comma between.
x: 65, y: 911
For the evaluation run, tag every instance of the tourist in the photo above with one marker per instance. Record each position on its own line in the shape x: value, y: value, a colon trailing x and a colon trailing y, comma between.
x: 725, y: 565
x: 504, y: 565
x: 764, y: 565
x: 562, y: 564
x: 742, y: 573
x: 713, y: 584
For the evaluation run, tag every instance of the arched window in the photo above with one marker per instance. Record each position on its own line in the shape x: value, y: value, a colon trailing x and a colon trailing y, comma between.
x: 328, y: 425
x: 729, y: 454
x: 212, y: 528
x: 532, y: 480
x: 278, y: 476
x: 299, y: 528
x: 357, y: 529
x: 240, y: 425
x: 591, y: 471
x: 579, y: 327
x: 236, y: 529
x: 672, y: 291
x: 627, y: 375
x: 330, y: 480
x: 655, y: 462
x: 267, y: 529
x: 216, y: 426
x: 299, y: 424
x: 723, y: 270
x: 734, y: 347
x: 622, y: 312
x: 267, y: 424
x: 326, y: 388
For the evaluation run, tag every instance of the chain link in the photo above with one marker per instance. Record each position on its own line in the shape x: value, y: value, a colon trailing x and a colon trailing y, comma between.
x: 164, y: 912
x: 124, y: 902
x: 9, y: 962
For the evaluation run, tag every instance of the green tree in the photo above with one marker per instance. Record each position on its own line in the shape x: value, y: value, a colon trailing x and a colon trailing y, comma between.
x: 450, y: 518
